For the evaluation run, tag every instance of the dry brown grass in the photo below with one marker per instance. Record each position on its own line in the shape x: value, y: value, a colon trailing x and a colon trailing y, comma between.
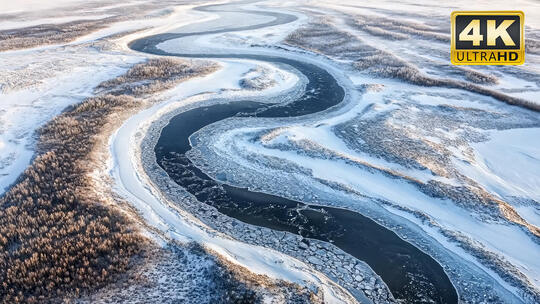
x: 155, y: 75
x: 396, y: 29
x: 480, y: 78
x: 47, y: 34
x: 58, y: 237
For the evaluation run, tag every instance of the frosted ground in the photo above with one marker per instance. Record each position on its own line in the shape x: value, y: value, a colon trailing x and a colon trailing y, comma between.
x: 457, y: 166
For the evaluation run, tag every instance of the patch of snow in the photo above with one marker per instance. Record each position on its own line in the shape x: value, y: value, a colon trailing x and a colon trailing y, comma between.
x: 508, y: 163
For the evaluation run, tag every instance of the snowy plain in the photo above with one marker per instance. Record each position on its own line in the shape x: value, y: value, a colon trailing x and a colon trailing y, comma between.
x: 37, y: 84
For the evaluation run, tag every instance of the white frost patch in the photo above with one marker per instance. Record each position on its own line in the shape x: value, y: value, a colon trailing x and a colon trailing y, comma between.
x: 508, y: 164
x: 322, y: 135
x: 530, y: 213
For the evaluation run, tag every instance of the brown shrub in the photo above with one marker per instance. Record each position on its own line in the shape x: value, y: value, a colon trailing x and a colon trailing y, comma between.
x: 480, y: 78
x: 155, y: 75
x: 58, y: 237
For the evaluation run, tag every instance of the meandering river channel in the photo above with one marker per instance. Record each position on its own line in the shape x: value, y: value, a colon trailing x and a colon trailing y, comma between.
x: 410, y: 274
